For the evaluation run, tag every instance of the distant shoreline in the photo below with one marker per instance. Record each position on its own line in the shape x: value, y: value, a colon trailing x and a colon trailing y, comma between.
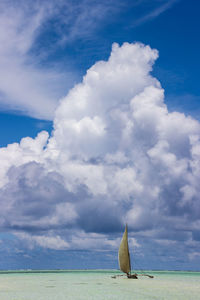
x: 90, y: 270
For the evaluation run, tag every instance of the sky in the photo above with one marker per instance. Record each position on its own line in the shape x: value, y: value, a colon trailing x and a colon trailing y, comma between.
x: 100, y: 127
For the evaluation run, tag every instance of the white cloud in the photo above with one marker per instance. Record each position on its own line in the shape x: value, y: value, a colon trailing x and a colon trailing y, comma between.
x: 157, y: 11
x: 50, y: 242
x: 23, y: 85
x: 27, y: 150
x: 105, y: 96
x: 193, y: 255
x: 116, y: 155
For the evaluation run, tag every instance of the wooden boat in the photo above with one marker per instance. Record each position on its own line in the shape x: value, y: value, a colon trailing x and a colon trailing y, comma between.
x: 124, y: 258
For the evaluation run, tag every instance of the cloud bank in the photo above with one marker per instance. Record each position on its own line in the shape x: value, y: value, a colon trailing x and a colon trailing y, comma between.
x: 115, y: 156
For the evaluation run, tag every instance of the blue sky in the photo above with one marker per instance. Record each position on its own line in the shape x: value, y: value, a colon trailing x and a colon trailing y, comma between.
x: 95, y: 135
x: 172, y: 27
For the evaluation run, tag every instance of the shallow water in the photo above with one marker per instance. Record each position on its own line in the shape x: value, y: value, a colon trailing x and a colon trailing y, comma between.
x: 96, y: 284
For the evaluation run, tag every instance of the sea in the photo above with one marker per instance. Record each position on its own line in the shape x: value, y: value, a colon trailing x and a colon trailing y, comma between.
x: 97, y: 284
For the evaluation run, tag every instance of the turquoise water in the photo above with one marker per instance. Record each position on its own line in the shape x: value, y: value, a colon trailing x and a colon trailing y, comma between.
x: 97, y: 284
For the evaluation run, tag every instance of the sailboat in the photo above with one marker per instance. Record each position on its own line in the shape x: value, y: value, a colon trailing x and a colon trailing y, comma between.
x: 124, y: 258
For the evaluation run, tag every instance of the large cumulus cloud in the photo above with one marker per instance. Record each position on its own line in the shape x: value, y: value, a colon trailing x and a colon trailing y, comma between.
x: 116, y: 155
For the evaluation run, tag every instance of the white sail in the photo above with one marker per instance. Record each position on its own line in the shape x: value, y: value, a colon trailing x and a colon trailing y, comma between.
x: 124, y: 256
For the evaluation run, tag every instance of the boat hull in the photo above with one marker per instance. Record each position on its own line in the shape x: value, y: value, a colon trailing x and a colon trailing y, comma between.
x: 132, y: 276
